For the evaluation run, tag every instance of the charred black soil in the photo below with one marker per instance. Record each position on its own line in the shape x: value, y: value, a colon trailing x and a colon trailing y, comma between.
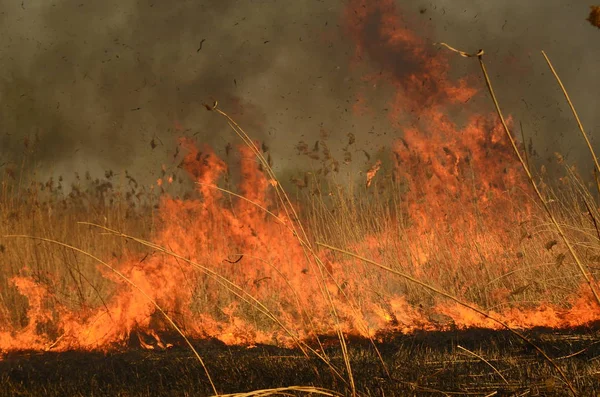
x: 423, y: 364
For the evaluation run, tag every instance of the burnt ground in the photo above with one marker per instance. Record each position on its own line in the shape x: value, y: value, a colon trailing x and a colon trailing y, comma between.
x: 421, y: 364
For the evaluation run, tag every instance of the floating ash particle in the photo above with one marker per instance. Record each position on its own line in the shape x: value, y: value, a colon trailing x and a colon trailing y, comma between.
x: 594, y: 17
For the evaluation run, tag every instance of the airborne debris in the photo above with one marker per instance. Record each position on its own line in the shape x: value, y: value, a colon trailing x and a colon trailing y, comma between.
x: 302, y: 147
x: 301, y: 183
x: 550, y: 244
x: 559, y: 157
x: 351, y: 138
x: 347, y: 157
x: 372, y: 172
x: 235, y: 261
x: 560, y: 258
x: 594, y: 17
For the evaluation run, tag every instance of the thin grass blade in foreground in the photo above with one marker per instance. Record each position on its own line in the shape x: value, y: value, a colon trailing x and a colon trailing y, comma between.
x: 579, y: 124
x: 485, y: 361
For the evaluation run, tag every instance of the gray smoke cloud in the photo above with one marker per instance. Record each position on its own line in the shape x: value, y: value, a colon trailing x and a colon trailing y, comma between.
x: 96, y: 82
x: 513, y: 34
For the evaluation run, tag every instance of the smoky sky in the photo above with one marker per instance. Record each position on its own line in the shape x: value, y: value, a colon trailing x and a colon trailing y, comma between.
x: 513, y: 34
x: 94, y: 83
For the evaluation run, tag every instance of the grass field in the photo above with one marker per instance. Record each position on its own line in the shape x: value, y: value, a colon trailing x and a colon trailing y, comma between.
x: 238, y: 269
x: 448, y: 245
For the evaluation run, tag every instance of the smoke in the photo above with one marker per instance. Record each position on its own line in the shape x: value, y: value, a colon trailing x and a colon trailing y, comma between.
x: 94, y: 83
x: 513, y: 34
x: 113, y: 84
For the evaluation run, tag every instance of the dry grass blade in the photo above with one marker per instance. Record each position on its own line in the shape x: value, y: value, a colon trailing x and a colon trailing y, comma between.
x: 462, y: 53
x: 592, y: 217
x: 579, y: 124
x: 285, y: 391
x: 126, y: 279
x: 282, y: 195
x: 270, y: 213
x: 460, y: 302
x: 485, y: 361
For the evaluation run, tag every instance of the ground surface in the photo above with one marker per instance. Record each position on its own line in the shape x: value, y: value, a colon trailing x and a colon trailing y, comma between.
x: 422, y: 364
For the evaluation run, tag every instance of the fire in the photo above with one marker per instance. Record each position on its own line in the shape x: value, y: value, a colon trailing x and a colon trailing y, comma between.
x: 243, y: 274
x: 372, y: 172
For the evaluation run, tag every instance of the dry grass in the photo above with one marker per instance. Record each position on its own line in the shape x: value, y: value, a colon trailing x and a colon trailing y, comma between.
x: 50, y: 210
x: 523, y: 271
x: 523, y: 268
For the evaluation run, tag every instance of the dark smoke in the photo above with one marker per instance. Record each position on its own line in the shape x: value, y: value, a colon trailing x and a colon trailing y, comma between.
x: 94, y: 85
x: 513, y: 34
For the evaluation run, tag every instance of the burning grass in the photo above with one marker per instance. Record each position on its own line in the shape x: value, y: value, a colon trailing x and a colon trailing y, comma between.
x: 59, y: 300
x: 523, y: 275
x: 444, y: 233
